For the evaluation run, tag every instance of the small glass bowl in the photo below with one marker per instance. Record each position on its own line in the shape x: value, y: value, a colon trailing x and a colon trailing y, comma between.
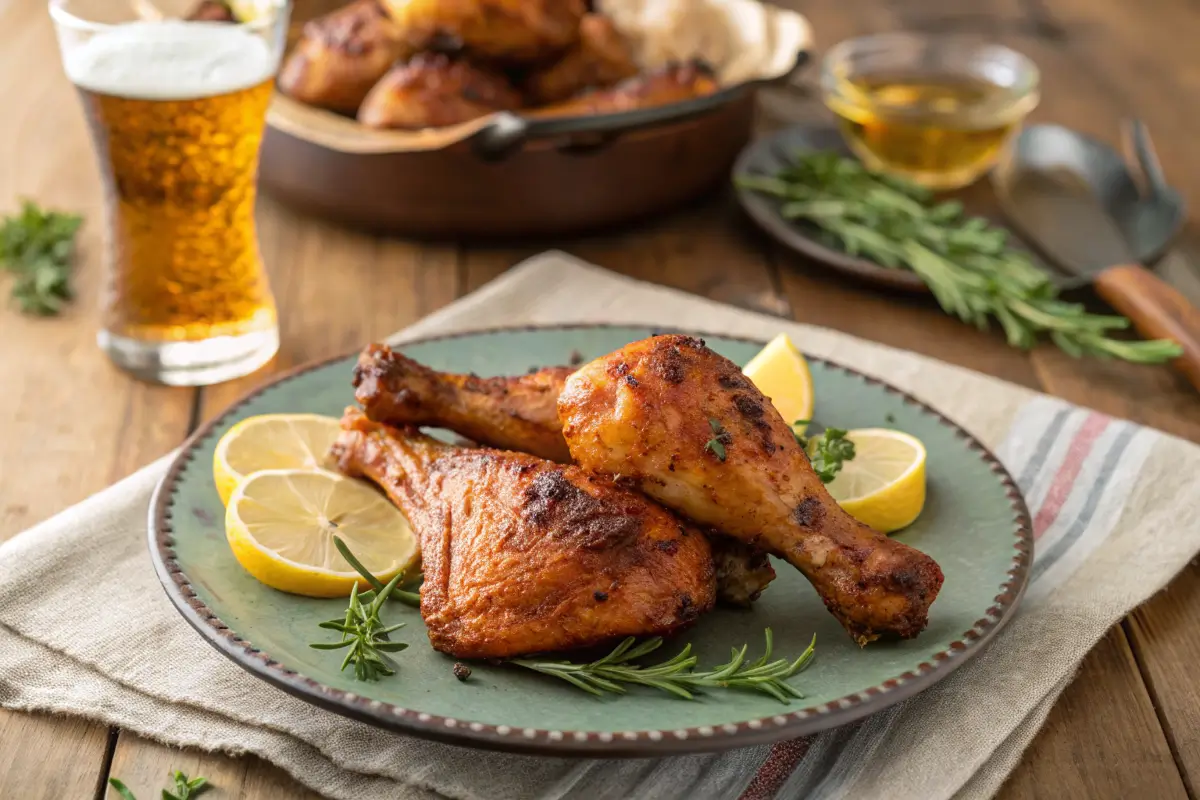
x: 935, y: 109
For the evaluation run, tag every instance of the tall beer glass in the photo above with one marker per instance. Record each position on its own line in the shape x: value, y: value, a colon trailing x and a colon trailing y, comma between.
x: 176, y: 111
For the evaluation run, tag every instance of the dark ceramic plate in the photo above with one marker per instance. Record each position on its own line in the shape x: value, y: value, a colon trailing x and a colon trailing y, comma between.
x: 1149, y: 218
x: 975, y: 524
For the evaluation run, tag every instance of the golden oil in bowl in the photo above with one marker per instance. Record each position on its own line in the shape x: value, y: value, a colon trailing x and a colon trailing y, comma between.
x: 936, y: 110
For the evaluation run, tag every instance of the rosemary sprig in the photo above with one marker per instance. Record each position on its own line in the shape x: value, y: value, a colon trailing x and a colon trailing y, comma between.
x: 365, y: 635
x: 968, y: 264
x: 185, y: 788
x: 408, y: 598
x: 362, y: 630
x: 37, y: 247
x: 721, y: 437
x: 677, y: 675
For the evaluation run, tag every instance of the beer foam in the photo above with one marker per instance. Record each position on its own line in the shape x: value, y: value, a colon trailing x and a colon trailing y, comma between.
x: 171, y: 60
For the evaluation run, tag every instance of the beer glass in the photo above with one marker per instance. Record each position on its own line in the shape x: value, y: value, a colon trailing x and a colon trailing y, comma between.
x: 176, y: 110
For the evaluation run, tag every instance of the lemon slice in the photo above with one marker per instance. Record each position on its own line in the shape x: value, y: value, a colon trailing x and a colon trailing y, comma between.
x: 781, y: 373
x: 250, y: 10
x: 271, y: 441
x: 884, y: 484
x: 280, y: 524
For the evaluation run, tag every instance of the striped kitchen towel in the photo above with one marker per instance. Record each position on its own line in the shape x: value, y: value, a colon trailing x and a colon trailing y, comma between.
x: 1116, y: 515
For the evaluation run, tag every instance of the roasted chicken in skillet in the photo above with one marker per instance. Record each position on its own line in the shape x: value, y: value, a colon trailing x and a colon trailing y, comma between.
x: 522, y: 555
x: 508, y: 31
x: 599, y: 59
x: 433, y: 90
x: 650, y: 411
x: 671, y: 84
x: 519, y: 413
x: 341, y: 55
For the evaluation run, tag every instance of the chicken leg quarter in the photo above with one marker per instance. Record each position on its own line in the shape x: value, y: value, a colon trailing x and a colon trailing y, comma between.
x: 648, y: 412
x: 516, y: 413
x: 526, y: 556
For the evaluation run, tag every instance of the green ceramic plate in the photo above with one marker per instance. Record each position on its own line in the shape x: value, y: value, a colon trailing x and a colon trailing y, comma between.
x: 975, y: 524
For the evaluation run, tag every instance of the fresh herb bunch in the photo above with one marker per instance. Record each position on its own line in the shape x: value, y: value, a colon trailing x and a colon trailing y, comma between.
x: 185, y: 788
x: 677, y: 675
x: 37, y: 246
x: 363, y: 632
x: 826, y: 451
x: 969, y: 265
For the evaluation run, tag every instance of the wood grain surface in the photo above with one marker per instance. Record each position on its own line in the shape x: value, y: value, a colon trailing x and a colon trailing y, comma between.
x: 1129, y: 726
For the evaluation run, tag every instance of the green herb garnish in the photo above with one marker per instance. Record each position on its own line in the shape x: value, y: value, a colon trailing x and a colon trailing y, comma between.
x: 677, y: 675
x: 408, y: 598
x: 122, y: 789
x: 365, y: 634
x: 827, y: 451
x: 361, y: 628
x: 968, y: 264
x: 37, y: 246
x: 184, y: 789
x: 720, y: 438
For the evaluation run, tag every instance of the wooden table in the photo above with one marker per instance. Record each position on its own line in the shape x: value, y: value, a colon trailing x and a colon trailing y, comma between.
x: 70, y: 424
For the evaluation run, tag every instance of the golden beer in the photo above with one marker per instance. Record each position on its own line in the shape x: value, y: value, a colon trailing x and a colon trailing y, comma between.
x: 179, y: 176
x: 176, y: 110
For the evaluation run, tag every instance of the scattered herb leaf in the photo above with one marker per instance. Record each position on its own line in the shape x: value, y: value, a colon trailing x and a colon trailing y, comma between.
x: 890, y: 419
x: 184, y: 788
x: 677, y: 675
x: 121, y: 789
x: 720, y: 439
x: 967, y: 263
x: 37, y: 247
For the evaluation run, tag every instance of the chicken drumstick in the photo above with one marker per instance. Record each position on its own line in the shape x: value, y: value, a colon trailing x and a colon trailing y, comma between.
x: 650, y: 410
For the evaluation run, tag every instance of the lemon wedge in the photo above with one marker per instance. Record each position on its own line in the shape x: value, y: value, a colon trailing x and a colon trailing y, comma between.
x: 884, y: 484
x: 781, y: 373
x: 271, y: 441
x: 280, y: 524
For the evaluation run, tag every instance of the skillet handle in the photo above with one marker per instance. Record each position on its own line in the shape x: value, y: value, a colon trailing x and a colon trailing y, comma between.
x: 1157, y: 310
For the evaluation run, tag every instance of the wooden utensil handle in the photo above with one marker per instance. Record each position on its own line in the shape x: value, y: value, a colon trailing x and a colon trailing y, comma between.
x: 1157, y: 310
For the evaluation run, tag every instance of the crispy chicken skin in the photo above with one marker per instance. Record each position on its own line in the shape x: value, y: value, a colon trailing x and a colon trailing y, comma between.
x: 646, y: 411
x: 672, y: 84
x: 600, y: 59
x: 525, y: 556
x: 433, y: 90
x: 341, y: 55
x: 519, y: 413
x: 509, y: 413
x: 509, y: 31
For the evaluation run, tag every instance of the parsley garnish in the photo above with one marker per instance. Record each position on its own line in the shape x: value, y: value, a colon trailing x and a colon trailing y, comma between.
x: 827, y: 451
x: 37, y: 247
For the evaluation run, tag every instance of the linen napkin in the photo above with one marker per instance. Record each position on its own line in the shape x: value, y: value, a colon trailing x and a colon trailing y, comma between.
x: 1116, y: 516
